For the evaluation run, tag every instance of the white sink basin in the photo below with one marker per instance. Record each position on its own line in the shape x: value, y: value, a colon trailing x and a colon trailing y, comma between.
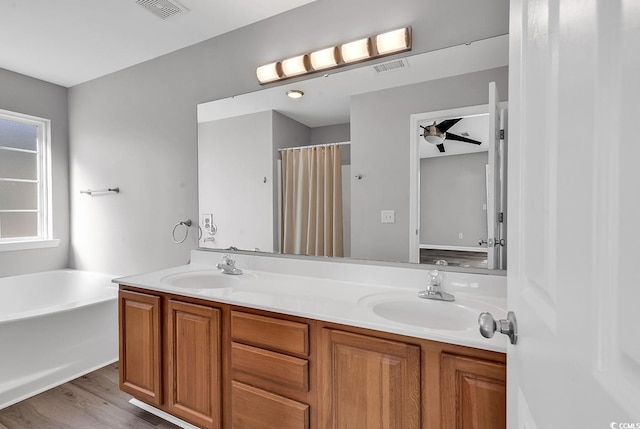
x: 428, y: 314
x: 409, y: 309
x: 208, y: 279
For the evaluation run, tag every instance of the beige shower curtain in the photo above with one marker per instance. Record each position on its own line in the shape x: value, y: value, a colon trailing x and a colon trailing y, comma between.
x: 312, y: 201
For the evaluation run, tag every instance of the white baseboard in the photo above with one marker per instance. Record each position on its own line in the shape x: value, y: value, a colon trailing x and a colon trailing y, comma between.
x: 166, y: 416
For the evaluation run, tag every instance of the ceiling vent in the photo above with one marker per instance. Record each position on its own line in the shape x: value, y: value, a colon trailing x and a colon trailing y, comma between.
x: 163, y: 9
x: 391, y: 66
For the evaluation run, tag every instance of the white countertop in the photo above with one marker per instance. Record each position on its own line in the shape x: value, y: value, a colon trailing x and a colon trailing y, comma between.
x: 332, y: 295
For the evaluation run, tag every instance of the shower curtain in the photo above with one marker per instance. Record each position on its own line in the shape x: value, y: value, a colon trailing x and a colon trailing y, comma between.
x: 312, y: 201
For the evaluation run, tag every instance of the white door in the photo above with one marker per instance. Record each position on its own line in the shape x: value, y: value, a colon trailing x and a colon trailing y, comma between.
x: 493, y: 181
x: 574, y: 207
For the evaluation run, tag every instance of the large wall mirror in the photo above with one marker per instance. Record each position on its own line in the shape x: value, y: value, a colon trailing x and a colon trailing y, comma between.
x: 345, y: 171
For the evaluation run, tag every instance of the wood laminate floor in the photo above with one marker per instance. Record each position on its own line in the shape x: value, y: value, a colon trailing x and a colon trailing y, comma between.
x: 92, y: 401
x: 456, y: 258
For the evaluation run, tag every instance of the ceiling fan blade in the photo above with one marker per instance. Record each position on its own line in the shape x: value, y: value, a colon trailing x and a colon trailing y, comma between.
x: 461, y: 139
x: 447, y: 123
x: 440, y: 147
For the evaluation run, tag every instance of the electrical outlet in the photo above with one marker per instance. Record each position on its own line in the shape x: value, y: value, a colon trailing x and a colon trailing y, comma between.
x: 460, y: 236
x: 207, y: 223
x: 388, y: 216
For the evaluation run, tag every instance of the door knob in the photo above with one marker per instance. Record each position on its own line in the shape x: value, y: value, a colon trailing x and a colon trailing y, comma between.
x: 491, y: 242
x: 508, y: 326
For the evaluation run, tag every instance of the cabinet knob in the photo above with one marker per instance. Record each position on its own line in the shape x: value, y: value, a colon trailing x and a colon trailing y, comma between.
x: 508, y: 326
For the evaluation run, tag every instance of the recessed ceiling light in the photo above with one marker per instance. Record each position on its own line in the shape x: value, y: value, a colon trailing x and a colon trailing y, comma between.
x: 295, y: 93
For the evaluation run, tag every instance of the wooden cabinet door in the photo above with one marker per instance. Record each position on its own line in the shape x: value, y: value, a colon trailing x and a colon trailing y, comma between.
x: 473, y: 393
x: 368, y: 382
x: 193, y: 335
x: 140, y: 346
x: 254, y: 408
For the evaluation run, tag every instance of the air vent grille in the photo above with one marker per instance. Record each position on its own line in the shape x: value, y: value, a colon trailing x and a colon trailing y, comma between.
x: 391, y: 66
x: 163, y: 9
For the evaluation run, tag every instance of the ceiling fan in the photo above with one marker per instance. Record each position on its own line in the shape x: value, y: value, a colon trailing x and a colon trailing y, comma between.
x: 437, y: 134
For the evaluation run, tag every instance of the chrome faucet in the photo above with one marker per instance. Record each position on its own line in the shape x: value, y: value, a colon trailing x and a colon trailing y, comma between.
x: 228, y: 266
x: 434, y: 288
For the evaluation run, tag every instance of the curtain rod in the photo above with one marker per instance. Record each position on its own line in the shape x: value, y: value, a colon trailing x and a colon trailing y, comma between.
x: 315, y: 145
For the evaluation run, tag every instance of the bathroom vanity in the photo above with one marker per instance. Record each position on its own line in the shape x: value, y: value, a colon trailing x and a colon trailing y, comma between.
x: 272, y: 350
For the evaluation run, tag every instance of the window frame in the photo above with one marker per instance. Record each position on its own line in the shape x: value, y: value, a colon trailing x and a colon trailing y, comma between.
x: 43, y: 181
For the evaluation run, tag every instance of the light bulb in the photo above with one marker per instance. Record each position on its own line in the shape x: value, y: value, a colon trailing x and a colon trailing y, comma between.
x: 356, y: 51
x: 269, y: 72
x: 392, y: 41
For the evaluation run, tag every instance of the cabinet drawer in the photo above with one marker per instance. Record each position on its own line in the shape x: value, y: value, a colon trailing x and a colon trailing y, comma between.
x: 255, y: 408
x: 276, y: 368
x: 271, y: 333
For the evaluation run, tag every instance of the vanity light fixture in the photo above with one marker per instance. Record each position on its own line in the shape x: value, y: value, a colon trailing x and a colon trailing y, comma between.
x: 295, y: 93
x: 356, y: 51
x: 388, y: 43
x: 295, y: 66
x: 392, y: 41
x: 269, y: 72
x: 325, y: 58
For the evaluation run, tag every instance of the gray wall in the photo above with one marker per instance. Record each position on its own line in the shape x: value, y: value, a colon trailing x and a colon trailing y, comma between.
x: 137, y: 128
x: 331, y: 134
x: 231, y: 168
x: 452, y: 193
x: 34, y: 97
x: 235, y: 154
x: 334, y: 134
x: 380, y: 152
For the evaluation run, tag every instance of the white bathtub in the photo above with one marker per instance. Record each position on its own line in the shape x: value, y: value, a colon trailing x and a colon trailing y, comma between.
x: 54, y: 327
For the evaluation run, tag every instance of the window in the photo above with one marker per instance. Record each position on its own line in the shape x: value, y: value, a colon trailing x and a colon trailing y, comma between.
x: 25, y: 184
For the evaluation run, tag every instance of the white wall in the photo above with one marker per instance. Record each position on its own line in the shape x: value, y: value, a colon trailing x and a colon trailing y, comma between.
x: 34, y: 97
x: 137, y: 128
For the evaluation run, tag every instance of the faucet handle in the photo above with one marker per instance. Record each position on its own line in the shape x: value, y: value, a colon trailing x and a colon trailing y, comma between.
x: 227, y: 260
x: 434, y: 288
x: 435, y: 278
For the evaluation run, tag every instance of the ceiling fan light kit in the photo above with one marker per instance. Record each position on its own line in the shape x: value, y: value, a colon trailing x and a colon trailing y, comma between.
x: 437, y: 134
x: 434, y: 139
x: 389, y: 43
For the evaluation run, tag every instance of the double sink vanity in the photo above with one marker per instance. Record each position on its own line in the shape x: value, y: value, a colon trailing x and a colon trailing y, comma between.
x: 293, y: 344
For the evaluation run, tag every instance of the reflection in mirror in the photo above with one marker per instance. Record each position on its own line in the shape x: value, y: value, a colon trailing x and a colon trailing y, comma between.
x: 453, y: 187
x: 241, y: 142
x: 459, y: 156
